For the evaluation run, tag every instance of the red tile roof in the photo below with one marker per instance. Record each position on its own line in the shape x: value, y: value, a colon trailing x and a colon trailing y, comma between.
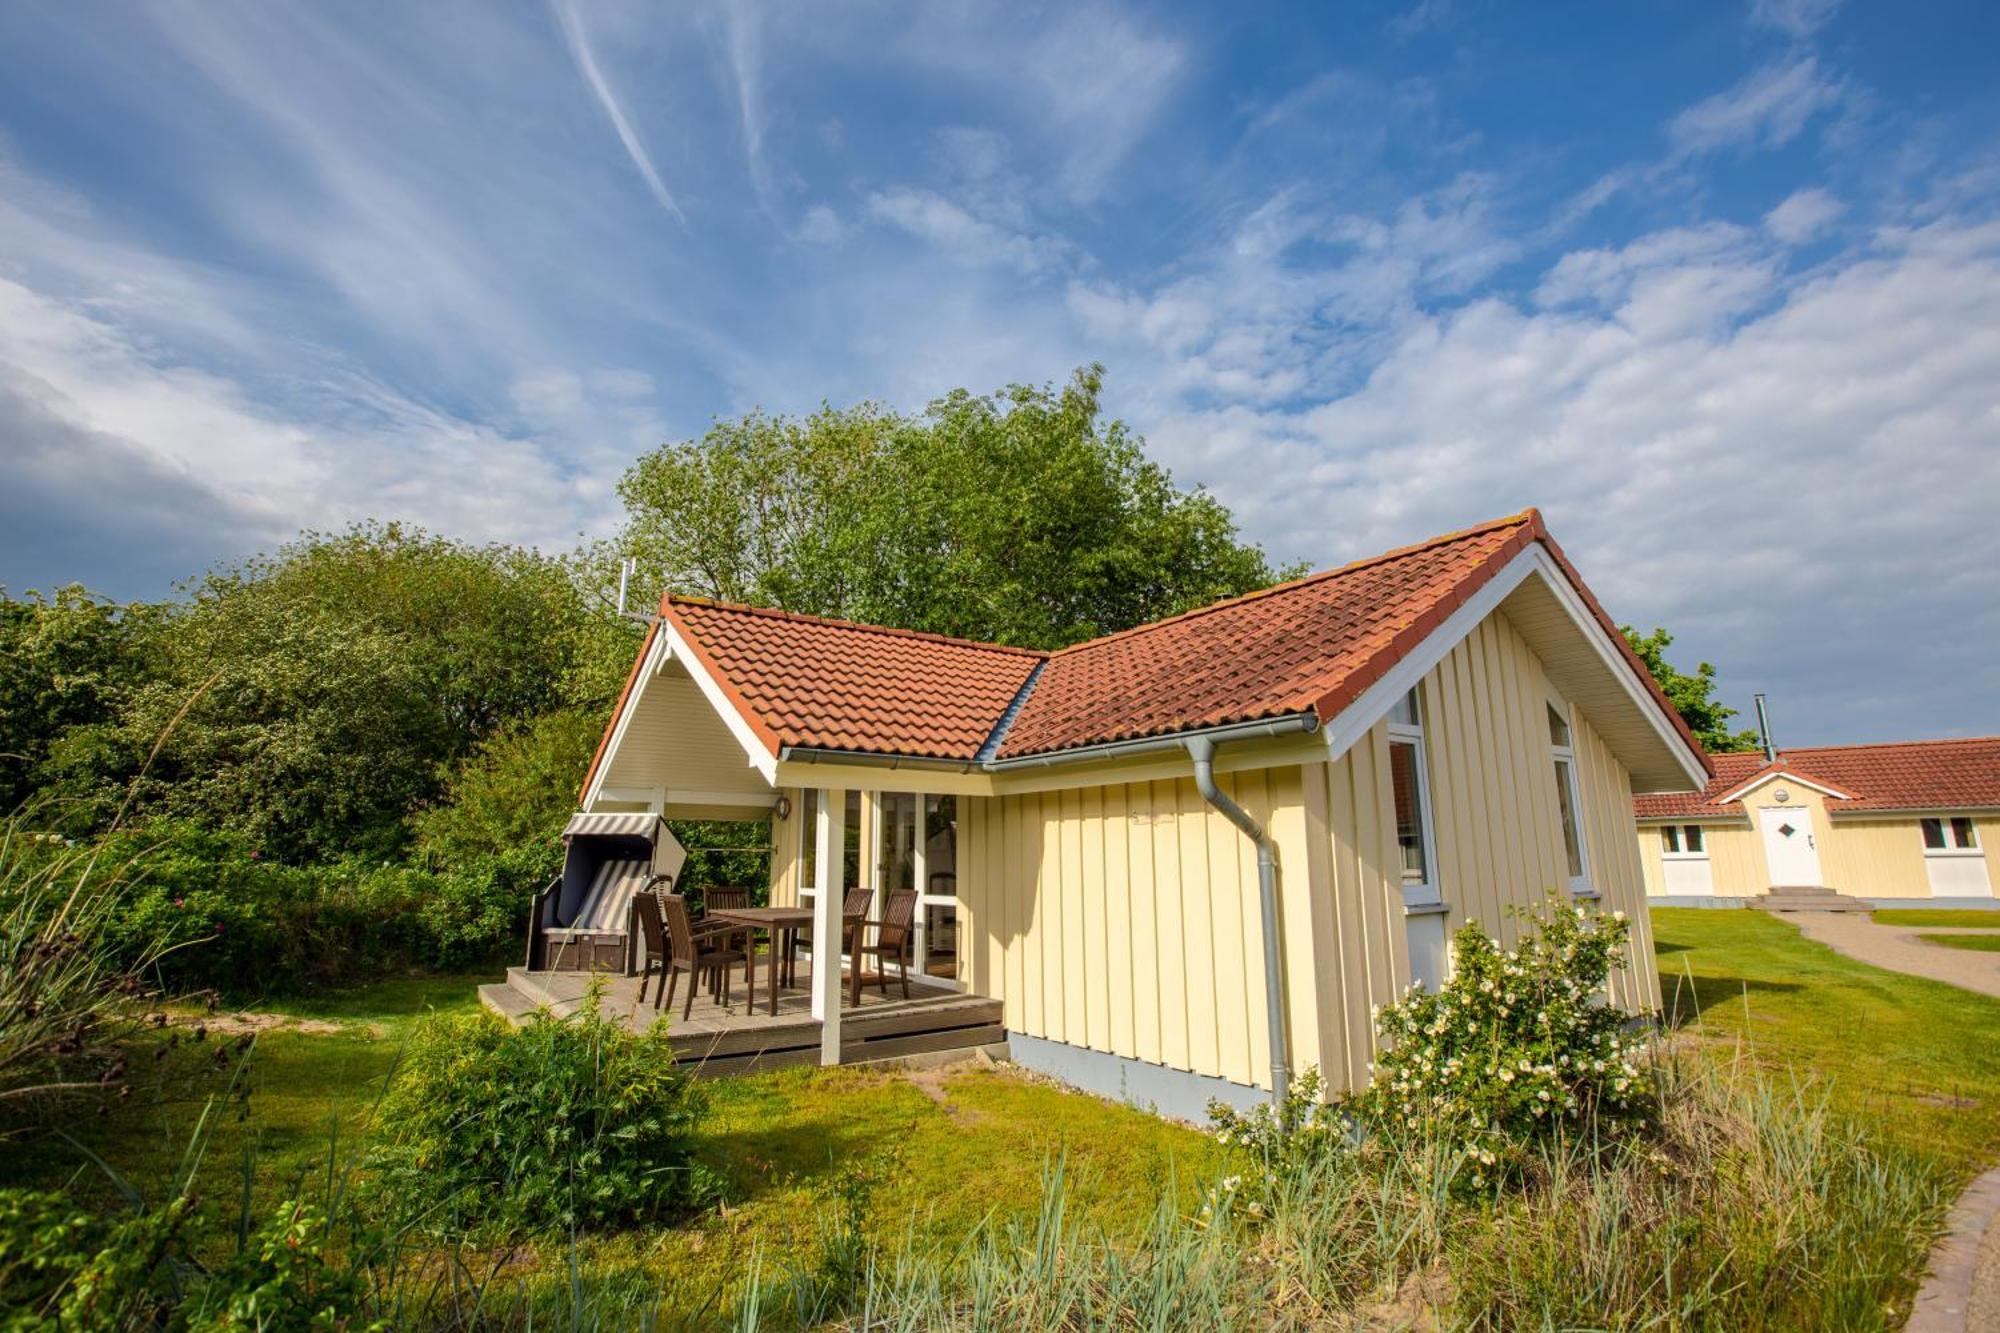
x: 1311, y: 645
x: 1905, y: 775
x: 831, y: 684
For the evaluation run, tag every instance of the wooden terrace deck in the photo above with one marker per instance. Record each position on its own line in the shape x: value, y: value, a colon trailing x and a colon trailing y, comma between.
x: 734, y: 1038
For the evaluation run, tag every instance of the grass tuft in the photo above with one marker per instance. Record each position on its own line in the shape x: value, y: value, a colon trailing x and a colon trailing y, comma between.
x: 1936, y: 916
x: 1977, y: 943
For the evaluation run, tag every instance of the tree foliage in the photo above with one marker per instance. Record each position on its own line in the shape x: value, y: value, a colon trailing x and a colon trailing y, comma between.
x: 323, y: 693
x: 1020, y: 517
x: 71, y: 659
x: 517, y: 789
x: 1693, y: 696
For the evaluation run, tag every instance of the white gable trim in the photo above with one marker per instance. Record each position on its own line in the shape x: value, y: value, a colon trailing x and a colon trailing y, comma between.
x: 1359, y: 718
x: 668, y: 645
x: 1754, y: 783
x: 647, y: 667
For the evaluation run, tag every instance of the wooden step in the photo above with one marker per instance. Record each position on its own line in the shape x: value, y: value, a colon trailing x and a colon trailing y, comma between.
x: 504, y: 1000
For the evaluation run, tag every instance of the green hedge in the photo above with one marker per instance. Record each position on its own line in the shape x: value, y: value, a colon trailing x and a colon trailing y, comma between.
x: 218, y: 915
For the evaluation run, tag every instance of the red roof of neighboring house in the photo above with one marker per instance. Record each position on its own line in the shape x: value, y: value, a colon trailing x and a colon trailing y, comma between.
x: 1904, y: 775
x: 832, y: 684
x: 1311, y: 645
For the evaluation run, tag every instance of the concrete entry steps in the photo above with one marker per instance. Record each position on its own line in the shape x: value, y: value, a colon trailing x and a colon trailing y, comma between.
x: 1806, y: 898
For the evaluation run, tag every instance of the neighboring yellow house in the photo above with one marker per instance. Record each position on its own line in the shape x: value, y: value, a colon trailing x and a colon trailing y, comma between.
x: 1189, y: 858
x: 1880, y: 823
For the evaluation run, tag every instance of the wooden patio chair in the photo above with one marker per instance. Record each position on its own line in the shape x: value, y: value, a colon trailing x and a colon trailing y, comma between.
x: 698, y: 950
x: 894, y: 934
x: 726, y: 899
x: 653, y: 939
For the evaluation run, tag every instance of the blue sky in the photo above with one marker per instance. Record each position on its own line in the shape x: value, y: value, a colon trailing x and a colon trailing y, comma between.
x: 1716, y: 286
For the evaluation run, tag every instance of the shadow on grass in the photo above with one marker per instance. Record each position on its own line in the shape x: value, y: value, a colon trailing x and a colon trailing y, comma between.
x: 1688, y: 998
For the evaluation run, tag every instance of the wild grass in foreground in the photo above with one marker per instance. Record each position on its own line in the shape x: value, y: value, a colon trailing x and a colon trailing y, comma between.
x: 1752, y: 1207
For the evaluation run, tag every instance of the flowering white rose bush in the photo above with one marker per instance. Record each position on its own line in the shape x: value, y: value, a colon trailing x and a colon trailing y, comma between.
x: 1517, y: 1046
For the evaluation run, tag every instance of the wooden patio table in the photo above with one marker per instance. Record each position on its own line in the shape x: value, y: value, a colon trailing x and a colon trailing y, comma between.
x: 783, y: 921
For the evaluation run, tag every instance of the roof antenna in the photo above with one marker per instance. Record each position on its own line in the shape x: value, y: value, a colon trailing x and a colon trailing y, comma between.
x: 1764, y: 732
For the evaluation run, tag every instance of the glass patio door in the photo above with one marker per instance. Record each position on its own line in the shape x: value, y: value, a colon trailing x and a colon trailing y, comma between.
x: 917, y: 851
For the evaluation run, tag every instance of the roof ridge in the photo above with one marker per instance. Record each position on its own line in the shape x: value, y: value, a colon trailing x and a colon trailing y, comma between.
x: 800, y: 617
x: 1888, y: 745
x: 1529, y: 516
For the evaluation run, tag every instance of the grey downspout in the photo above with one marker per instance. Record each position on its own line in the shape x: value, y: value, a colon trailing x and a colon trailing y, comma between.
x: 1202, y: 750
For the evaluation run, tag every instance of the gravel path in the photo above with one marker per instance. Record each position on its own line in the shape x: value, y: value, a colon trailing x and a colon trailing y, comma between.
x: 1898, y: 949
x: 1962, y: 1290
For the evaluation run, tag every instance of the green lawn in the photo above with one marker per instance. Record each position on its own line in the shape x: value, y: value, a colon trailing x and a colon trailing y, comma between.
x: 1936, y: 916
x: 1978, y: 943
x: 1916, y: 1058
x: 928, y: 1154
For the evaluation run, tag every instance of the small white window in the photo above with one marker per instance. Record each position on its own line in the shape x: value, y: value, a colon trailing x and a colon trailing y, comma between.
x: 1682, y: 840
x: 1953, y: 834
x: 1409, y: 783
x: 1567, y: 804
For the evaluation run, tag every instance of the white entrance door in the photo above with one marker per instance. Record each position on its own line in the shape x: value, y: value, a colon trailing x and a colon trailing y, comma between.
x: 1788, y: 846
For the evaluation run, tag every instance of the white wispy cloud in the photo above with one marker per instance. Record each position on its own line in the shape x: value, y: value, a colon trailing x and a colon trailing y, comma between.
x: 1800, y: 18
x: 1803, y: 215
x: 580, y: 51
x: 1766, y: 110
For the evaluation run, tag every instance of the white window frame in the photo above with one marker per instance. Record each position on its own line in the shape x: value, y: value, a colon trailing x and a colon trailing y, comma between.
x: 1430, y: 893
x: 1951, y: 847
x: 810, y: 838
x: 1680, y: 833
x: 1563, y: 757
x: 925, y: 898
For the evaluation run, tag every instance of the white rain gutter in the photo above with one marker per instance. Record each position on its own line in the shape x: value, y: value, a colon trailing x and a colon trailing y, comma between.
x: 1201, y: 749
x: 1288, y: 725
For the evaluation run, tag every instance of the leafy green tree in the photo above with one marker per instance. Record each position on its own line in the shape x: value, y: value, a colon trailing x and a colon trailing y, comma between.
x: 516, y: 790
x: 311, y: 699
x: 1693, y: 696
x: 1021, y: 517
x: 66, y: 659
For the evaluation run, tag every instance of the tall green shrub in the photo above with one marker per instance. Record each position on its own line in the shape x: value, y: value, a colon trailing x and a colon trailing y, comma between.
x: 566, y: 1123
x: 1517, y: 1046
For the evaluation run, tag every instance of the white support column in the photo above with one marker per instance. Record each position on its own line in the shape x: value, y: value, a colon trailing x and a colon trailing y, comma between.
x: 827, y: 921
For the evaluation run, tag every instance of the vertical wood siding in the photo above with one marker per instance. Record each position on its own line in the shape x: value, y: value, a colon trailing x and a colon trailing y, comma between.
x: 1125, y: 918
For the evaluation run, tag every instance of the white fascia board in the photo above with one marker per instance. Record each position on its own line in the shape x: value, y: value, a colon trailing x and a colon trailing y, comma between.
x: 1359, y: 718
x: 655, y: 655
x: 1619, y: 665
x: 1780, y: 776
x: 761, y: 759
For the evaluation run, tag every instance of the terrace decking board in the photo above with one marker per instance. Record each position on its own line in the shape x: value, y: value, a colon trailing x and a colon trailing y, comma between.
x: 741, y: 1038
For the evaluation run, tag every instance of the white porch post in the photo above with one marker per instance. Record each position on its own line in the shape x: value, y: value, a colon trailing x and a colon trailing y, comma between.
x: 827, y: 902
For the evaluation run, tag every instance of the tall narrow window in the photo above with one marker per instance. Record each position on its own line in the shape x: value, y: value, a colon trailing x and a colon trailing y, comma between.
x: 1409, y: 785
x: 808, y: 844
x: 1567, y: 805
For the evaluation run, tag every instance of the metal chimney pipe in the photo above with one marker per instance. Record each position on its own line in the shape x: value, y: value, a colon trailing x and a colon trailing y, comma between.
x: 1764, y: 732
